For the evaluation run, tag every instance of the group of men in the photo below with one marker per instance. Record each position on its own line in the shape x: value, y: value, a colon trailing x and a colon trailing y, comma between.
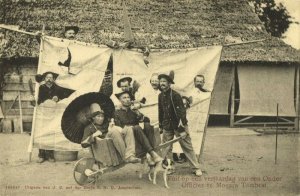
x: 171, y: 111
x: 171, y: 116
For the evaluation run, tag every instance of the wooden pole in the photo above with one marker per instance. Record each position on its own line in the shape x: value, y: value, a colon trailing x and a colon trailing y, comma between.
x: 297, y: 119
x: 276, y: 142
x: 248, y: 42
x: 21, y: 114
x: 3, y: 26
x: 232, y: 100
x: 127, y: 26
x: 30, y: 146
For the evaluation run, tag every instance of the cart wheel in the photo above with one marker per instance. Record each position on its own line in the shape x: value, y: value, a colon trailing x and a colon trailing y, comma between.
x: 79, y: 171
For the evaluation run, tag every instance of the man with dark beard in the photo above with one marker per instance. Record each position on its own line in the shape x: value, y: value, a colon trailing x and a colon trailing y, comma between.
x: 173, y: 121
x: 49, y: 91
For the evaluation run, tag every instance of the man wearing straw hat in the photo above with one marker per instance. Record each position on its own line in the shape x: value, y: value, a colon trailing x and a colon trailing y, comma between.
x: 172, y: 120
x: 99, y: 127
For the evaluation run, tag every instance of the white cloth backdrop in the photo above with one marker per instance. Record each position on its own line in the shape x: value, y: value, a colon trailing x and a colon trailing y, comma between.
x: 186, y: 64
x: 86, y: 72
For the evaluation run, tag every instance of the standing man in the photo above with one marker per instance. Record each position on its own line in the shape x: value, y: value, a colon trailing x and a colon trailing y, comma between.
x: 150, y: 93
x: 126, y: 117
x: 49, y: 91
x: 172, y: 120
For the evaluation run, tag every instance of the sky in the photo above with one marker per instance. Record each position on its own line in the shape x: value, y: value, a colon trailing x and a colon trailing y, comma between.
x: 292, y: 35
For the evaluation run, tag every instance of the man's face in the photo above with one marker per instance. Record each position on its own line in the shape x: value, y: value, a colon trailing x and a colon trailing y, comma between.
x: 125, y: 86
x: 199, y: 82
x: 125, y: 100
x: 164, y: 84
x: 98, y: 119
x: 49, y: 79
x: 154, y: 82
x: 70, y: 34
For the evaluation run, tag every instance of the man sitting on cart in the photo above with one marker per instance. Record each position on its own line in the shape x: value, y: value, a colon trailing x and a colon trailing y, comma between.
x: 99, y: 127
x: 126, y: 117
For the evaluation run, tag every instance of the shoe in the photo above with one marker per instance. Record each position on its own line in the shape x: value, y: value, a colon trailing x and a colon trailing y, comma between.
x: 198, y: 172
x: 40, y: 160
x: 133, y: 159
x: 51, y: 160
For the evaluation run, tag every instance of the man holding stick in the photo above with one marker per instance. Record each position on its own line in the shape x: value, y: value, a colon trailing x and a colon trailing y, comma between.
x: 172, y: 121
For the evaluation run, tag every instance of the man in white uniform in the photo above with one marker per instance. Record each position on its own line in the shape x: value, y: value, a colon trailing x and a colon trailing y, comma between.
x: 150, y: 92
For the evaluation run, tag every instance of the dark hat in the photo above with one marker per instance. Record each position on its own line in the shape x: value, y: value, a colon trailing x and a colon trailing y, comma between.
x: 129, y: 79
x: 40, y: 77
x: 75, y: 28
x: 118, y: 95
x: 169, y: 77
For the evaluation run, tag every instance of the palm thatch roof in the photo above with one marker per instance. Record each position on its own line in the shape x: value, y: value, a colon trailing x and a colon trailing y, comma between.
x: 156, y: 23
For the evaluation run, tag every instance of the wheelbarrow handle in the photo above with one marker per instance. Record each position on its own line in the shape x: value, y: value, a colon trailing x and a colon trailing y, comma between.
x: 168, y: 143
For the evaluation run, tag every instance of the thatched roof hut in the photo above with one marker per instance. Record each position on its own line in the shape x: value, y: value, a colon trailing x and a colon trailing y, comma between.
x: 155, y: 23
x: 160, y: 24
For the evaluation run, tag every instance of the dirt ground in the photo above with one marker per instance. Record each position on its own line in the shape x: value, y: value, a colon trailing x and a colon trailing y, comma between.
x: 233, y: 164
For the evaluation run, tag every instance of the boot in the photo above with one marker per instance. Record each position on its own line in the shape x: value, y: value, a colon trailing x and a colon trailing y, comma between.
x: 133, y: 159
x: 156, y: 158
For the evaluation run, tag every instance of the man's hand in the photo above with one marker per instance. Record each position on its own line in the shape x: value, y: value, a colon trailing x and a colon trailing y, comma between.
x: 55, y: 98
x: 136, y: 106
x: 111, y: 124
x: 186, y: 127
x: 161, y: 131
x: 183, y: 135
x: 97, y: 133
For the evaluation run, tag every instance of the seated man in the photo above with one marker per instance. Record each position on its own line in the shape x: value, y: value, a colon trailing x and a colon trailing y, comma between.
x: 99, y: 127
x: 126, y: 117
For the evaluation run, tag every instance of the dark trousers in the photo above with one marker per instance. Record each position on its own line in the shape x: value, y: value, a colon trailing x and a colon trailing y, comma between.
x: 142, y: 142
x: 46, y: 154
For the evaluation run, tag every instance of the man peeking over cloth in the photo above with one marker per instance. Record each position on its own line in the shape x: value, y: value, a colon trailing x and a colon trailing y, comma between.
x: 50, y: 91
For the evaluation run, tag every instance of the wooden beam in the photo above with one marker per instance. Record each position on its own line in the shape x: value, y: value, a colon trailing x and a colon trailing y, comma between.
x: 3, y: 26
x: 232, y: 100
x: 264, y: 123
x: 21, y: 114
x: 248, y: 42
x: 244, y: 119
x: 297, y: 119
x: 286, y: 120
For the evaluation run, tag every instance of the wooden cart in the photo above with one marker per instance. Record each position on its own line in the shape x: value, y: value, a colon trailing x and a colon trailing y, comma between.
x: 105, y: 159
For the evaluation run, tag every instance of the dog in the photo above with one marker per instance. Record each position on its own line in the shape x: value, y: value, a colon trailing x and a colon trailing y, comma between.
x: 164, y: 166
